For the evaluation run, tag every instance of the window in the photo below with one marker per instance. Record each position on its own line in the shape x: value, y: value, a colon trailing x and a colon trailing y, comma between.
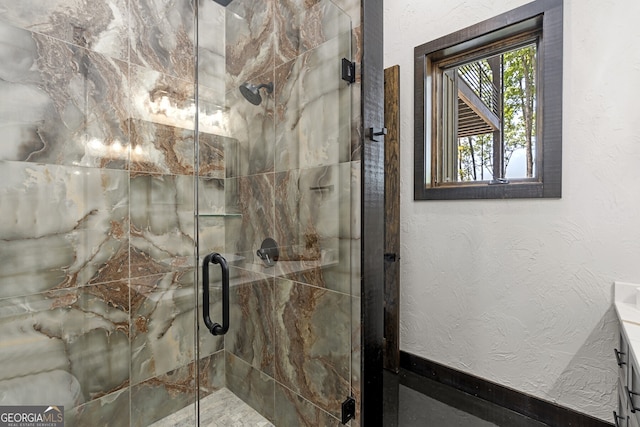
x: 488, y: 108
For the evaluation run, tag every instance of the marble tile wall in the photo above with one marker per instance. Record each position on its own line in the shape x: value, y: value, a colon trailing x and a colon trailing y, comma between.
x: 313, y: 345
x: 98, y: 234
x: 295, y: 180
x: 97, y: 193
x: 251, y: 337
x: 66, y: 105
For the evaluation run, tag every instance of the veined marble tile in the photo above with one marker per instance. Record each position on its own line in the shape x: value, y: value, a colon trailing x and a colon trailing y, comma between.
x: 161, y: 396
x: 250, y: 40
x: 61, y: 104
x: 99, y: 25
x: 312, y: 208
x: 212, y: 218
x: 162, y: 319
x: 253, y: 128
x: 356, y: 352
x: 313, y: 343
x: 253, y: 198
x: 239, y: 278
x: 232, y: 157
x: 161, y: 149
x: 356, y: 95
x: 162, y: 224
x: 211, y: 233
x: 67, y: 346
x: 161, y: 98
x: 356, y: 199
x: 214, y: 116
x: 213, y: 155
x: 211, y: 47
x: 111, y: 410
x: 62, y: 227
x: 356, y: 267
x: 356, y: 228
x: 313, y: 108
x: 211, y: 20
x: 211, y: 77
x: 166, y: 149
x: 303, y: 25
x: 211, y: 373
x: 250, y: 335
x: 293, y: 410
x: 162, y: 36
x: 337, y: 272
x: 288, y: 230
x: 321, y: 190
x: 356, y: 123
x: 211, y: 196
x: 351, y: 8
x: 345, y: 200
x: 252, y: 386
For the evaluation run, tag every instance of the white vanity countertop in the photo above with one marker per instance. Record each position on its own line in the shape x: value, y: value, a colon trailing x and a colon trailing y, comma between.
x: 629, y: 315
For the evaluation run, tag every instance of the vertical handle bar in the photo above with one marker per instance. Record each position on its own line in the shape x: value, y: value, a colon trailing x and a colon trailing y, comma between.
x: 215, y: 328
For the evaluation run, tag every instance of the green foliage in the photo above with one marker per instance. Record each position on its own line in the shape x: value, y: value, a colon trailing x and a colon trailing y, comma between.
x: 475, y: 153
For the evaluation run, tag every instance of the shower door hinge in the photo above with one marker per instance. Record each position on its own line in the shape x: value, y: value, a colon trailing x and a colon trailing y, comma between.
x: 348, y: 71
x: 348, y: 409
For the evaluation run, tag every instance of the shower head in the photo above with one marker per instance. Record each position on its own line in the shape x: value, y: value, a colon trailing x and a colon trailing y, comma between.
x: 252, y: 92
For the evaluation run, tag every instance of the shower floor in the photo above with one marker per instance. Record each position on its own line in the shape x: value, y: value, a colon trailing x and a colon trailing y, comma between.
x: 220, y: 409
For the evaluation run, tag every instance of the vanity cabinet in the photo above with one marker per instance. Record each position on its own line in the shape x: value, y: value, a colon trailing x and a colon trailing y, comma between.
x: 626, y: 354
x: 623, y: 414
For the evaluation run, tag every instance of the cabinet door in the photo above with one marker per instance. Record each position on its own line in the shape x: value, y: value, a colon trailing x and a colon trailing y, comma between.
x: 622, y: 358
x: 621, y: 416
x: 632, y: 392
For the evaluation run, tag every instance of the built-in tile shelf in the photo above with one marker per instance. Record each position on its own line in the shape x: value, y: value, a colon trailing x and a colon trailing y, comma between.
x: 627, y: 305
x: 219, y: 215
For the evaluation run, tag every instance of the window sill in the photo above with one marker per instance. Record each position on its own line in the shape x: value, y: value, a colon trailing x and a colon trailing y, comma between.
x: 513, y: 190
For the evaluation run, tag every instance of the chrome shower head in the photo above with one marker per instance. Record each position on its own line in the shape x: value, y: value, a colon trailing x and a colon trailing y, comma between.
x: 251, y: 92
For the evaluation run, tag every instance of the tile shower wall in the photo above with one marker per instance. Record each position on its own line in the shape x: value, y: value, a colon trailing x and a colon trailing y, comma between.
x: 292, y: 174
x: 97, y: 238
x: 96, y: 260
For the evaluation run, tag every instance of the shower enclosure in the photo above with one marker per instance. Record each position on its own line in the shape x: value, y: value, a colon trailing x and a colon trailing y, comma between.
x: 130, y: 154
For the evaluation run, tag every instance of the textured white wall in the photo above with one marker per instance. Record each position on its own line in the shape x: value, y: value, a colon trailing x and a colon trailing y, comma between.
x: 519, y: 292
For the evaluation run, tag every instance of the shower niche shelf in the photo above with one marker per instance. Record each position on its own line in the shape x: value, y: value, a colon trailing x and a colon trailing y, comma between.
x: 219, y: 215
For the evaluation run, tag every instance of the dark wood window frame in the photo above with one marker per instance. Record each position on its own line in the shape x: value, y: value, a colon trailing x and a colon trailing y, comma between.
x: 542, y: 15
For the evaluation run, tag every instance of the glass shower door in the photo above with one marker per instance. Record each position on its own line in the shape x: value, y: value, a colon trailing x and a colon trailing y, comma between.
x: 274, y: 198
x: 97, y: 200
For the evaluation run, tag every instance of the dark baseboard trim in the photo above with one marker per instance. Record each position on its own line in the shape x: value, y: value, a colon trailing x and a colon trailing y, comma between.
x: 530, y: 406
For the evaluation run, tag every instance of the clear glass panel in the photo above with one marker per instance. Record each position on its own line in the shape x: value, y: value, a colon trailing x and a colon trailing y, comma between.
x: 102, y: 178
x: 519, y: 140
x: 475, y: 157
x: 97, y: 200
x: 274, y: 146
x: 488, y: 128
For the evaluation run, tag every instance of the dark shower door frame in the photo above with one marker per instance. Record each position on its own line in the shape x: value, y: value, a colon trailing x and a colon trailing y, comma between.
x: 372, y: 214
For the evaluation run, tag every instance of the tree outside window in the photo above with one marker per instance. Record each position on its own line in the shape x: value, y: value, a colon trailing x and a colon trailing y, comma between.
x: 508, y: 152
